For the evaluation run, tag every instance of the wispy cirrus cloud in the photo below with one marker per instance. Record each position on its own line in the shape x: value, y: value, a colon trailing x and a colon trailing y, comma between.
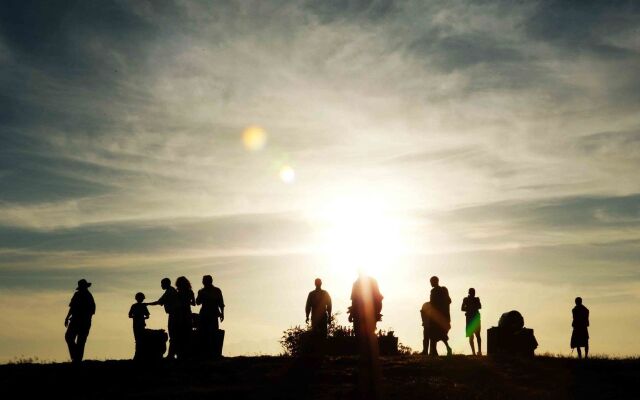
x: 491, y: 127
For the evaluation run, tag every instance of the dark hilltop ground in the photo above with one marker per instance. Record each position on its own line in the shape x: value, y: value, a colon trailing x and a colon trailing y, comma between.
x: 404, y: 377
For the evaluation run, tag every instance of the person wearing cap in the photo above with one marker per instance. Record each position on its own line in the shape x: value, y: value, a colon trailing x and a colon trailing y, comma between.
x: 78, y: 320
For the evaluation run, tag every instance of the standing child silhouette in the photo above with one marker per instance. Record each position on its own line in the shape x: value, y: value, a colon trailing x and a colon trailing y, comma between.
x: 139, y: 313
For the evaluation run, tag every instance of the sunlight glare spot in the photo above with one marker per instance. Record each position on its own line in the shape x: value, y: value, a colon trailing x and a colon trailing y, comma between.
x: 287, y: 174
x: 254, y: 138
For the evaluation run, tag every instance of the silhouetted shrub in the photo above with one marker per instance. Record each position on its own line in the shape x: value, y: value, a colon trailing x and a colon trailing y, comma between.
x: 404, y: 350
x: 291, y: 340
x: 340, y: 340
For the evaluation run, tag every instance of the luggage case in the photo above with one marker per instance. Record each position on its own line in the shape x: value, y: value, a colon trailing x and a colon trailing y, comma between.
x: 153, y: 345
x: 218, y: 342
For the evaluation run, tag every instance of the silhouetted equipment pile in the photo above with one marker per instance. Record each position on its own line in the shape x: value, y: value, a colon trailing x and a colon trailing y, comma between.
x: 152, y: 345
x: 345, y: 343
x: 205, y: 347
x: 510, y: 337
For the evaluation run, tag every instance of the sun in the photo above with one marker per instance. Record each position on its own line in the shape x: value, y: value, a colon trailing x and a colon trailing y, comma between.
x: 360, y: 234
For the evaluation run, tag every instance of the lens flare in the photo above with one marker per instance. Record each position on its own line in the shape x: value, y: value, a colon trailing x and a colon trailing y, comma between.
x: 287, y: 174
x: 254, y: 138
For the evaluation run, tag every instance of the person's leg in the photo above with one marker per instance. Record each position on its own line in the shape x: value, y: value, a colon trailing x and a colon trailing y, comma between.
x: 181, y: 338
x: 171, y: 326
x: 323, y: 329
x: 83, y: 333
x: 186, y: 330
x: 425, y: 341
x: 579, y: 352
x: 433, y: 350
x: 586, y: 351
x: 479, y: 343
x: 369, y: 375
x: 138, y: 332
x: 70, y: 338
x: 216, y: 338
x: 446, y: 343
x: 473, y: 348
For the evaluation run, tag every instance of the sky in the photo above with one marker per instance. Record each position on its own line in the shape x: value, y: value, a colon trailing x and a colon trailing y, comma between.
x: 495, y: 144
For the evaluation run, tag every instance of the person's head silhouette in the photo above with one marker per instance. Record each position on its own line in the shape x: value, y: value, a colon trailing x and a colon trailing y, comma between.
x: 434, y: 281
x: 83, y: 284
x: 165, y: 283
x: 140, y: 297
x: 578, y: 301
x: 183, y: 284
x: 207, y: 281
x: 472, y: 292
x: 318, y: 283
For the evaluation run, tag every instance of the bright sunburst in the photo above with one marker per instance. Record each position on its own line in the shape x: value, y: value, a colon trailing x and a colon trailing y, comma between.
x: 359, y: 233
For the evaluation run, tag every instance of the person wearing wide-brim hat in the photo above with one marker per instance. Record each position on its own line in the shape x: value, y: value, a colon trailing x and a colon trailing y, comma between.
x: 78, y: 320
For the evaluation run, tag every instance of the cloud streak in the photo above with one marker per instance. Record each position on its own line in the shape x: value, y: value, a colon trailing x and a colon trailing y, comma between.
x: 487, y: 127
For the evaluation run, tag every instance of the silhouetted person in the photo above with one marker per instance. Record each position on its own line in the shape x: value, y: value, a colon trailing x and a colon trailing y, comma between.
x: 471, y: 307
x: 366, y: 305
x: 425, y: 314
x: 184, y: 319
x: 139, y: 313
x: 580, y: 334
x: 210, y: 298
x: 441, y: 317
x: 319, y: 306
x: 169, y: 300
x: 78, y: 320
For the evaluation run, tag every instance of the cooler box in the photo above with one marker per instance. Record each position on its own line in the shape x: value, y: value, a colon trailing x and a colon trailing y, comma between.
x: 494, y: 339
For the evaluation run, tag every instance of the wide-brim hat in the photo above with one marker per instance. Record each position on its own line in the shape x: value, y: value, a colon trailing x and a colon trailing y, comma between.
x: 83, y: 284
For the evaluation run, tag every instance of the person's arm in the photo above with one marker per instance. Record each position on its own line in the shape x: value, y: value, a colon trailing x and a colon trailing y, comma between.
x: 160, y: 301
x: 307, y: 308
x: 71, y: 307
x: 92, y: 304
x: 192, y: 299
x: 464, y: 305
x: 199, y: 297
x: 221, y: 306
x: 479, y: 304
x: 587, y: 314
x: 131, y: 312
x: 67, y: 318
x: 329, y: 305
x: 378, y: 298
